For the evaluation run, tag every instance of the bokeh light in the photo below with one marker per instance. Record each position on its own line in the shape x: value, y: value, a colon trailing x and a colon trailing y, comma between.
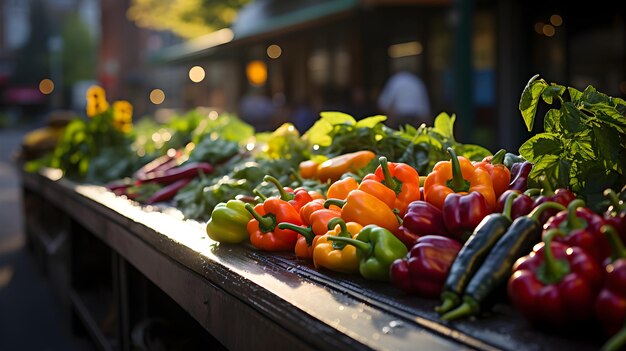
x: 197, y: 74
x: 157, y: 96
x: 46, y: 86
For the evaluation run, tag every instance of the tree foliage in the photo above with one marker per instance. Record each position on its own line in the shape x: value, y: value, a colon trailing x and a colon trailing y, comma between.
x: 187, y: 18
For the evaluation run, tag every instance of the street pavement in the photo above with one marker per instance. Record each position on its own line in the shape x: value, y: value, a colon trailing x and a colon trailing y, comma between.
x: 31, y: 315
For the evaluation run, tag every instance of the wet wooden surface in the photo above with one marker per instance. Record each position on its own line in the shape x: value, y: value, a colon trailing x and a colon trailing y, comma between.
x: 249, y: 299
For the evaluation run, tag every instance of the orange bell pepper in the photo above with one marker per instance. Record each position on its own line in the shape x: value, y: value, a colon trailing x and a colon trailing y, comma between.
x: 457, y: 176
x: 500, y: 174
x: 316, y: 219
x: 341, y: 188
x: 335, y: 167
x: 365, y: 208
x: 402, y: 179
x: 263, y: 230
x: 380, y: 191
x: 307, y: 210
x: 308, y: 169
x: 336, y: 256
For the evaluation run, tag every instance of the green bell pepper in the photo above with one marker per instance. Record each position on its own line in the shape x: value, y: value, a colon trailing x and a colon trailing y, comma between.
x: 228, y: 222
x: 377, y: 248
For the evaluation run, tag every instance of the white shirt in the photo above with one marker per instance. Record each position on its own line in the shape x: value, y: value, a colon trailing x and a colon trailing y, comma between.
x: 405, y: 94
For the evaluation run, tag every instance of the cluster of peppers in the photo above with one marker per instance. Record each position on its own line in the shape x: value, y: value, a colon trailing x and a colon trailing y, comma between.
x: 472, y: 228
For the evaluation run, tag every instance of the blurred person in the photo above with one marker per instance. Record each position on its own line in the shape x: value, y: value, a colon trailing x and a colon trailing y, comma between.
x: 257, y: 109
x: 405, y: 100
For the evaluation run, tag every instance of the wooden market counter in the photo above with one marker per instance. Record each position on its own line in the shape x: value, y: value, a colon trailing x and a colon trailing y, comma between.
x: 245, y: 299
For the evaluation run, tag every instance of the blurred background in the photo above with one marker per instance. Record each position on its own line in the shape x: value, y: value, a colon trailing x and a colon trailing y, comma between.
x: 274, y: 61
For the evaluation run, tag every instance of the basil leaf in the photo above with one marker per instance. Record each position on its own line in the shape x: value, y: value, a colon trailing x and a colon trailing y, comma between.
x: 552, y: 91
x: 563, y: 173
x: 472, y: 152
x: 335, y: 118
x: 370, y: 122
x: 572, y: 120
x: 546, y: 165
x: 444, y: 125
x: 607, y: 114
x: 575, y: 95
x: 530, y: 99
x: 541, y: 145
x: 552, y: 121
x: 582, y: 146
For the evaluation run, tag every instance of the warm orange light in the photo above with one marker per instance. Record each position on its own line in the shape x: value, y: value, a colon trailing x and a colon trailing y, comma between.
x: 46, y: 86
x: 197, y: 74
x: 411, y: 48
x: 556, y: 20
x: 274, y: 51
x: 157, y: 96
x: 549, y: 30
x: 256, y: 71
x: 539, y: 27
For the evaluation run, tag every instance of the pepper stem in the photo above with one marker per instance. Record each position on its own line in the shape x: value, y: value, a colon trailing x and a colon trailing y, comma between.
x: 498, y: 157
x: 617, y: 247
x: 450, y: 300
x: 547, y: 189
x: 573, y: 221
x: 616, y: 342
x: 344, y: 233
x: 337, y: 202
x: 508, y: 204
x: 618, y: 205
x: 457, y: 183
x: 467, y: 308
x: 297, y: 176
x: 552, y: 270
x: 534, y: 215
x: 532, y: 192
x: 284, y: 195
x: 259, y: 194
x: 267, y: 223
x: 306, y: 232
x: 389, y: 181
x: 360, y: 245
x: 397, y: 213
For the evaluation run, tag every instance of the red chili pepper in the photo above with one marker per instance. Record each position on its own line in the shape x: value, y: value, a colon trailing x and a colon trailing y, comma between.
x: 168, y: 191
x: 263, y: 230
x: 556, y: 285
x: 611, y: 302
x: 500, y: 175
x: 521, y: 205
x: 297, y: 198
x: 421, y: 218
x: 425, y: 268
x: 463, y: 212
x: 582, y: 229
x: 159, y: 164
x: 562, y: 196
x: 188, y: 170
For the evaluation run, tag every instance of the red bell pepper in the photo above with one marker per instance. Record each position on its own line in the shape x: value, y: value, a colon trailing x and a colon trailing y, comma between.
x: 561, y: 195
x: 297, y: 198
x: 425, y: 268
x: 556, y: 285
x: 582, y: 229
x: 521, y: 205
x: 401, y: 178
x: 463, y: 212
x: 421, y: 218
x: 615, y: 215
x: 263, y: 230
x: 611, y: 302
x: 500, y: 175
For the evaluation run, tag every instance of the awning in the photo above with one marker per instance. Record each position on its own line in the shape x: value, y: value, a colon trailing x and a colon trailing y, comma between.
x: 259, y: 18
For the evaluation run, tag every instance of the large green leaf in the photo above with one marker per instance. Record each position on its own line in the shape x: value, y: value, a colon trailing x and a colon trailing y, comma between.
x: 551, y: 92
x: 541, y: 145
x: 370, y: 122
x: 552, y: 121
x: 444, y: 125
x: 582, y: 146
x: 607, y: 114
x: 572, y: 120
x: 575, y: 94
x: 530, y: 99
x: 334, y: 118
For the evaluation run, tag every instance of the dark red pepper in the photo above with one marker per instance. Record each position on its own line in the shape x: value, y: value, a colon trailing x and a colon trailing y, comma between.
x: 615, y: 215
x: 425, y: 268
x: 159, y: 164
x: 582, y: 229
x: 519, y: 175
x: 521, y: 205
x: 168, y: 191
x: 556, y: 285
x: 561, y: 195
x: 297, y: 198
x: 463, y: 212
x: 171, y: 175
x: 421, y: 218
x: 611, y: 302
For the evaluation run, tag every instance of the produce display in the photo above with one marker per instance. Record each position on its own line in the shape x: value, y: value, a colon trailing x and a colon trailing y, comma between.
x: 413, y: 207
